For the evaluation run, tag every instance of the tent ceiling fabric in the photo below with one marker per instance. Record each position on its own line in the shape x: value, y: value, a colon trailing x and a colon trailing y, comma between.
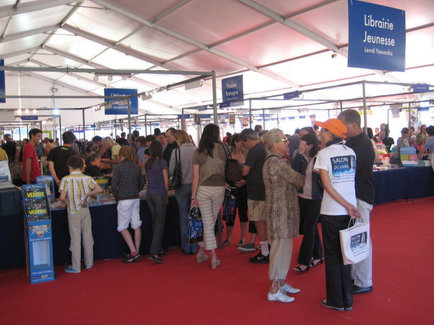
x: 278, y: 45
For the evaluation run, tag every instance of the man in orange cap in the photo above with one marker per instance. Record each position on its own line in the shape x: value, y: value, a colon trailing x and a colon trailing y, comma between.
x: 336, y: 164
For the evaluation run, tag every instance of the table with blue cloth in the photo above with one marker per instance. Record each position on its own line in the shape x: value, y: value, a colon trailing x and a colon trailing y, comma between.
x: 403, y: 183
x: 108, y: 241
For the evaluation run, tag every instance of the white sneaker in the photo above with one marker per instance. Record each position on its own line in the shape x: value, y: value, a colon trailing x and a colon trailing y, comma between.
x: 286, y: 288
x: 279, y: 296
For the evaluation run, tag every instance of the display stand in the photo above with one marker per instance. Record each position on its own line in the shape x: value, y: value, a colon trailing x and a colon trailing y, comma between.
x: 39, y: 245
x: 48, y: 182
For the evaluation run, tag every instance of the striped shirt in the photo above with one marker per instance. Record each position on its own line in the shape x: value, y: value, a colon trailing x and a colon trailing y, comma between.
x: 76, y: 185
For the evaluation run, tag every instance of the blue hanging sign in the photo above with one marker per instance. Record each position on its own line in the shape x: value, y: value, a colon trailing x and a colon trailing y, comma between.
x: 29, y: 118
x: 376, y: 36
x: 291, y: 95
x: 118, y: 107
x: 185, y: 116
x: 420, y: 88
x: 232, y: 89
x: 2, y: 83
x: 205, y: 116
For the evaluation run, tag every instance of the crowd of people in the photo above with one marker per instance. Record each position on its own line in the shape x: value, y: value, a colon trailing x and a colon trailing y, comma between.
x: 322, y: 173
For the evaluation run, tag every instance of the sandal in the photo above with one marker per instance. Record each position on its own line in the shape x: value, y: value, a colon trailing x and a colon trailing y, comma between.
x: 317, y: 262
x: 241, y: 243
x: 300, y: 270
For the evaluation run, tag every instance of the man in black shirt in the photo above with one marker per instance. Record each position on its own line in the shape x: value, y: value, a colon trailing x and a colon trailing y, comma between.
x: 10, y: 147
x: 122, y: 141
x: 171, y: 144
x: 57, y: 159
x: 365, y: 155
x: 252, y: 170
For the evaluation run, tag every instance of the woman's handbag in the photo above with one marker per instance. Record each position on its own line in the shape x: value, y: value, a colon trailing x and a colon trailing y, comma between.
x: 232, y: 169
x: 194, y: 226
x: 355, y: 242
x: 176, y: 178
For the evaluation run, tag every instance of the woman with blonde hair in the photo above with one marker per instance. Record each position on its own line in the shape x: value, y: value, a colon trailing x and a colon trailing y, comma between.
x: 127, y: 182
x: 114, y: 148
x: 282, y: 212
x: 183, y: 155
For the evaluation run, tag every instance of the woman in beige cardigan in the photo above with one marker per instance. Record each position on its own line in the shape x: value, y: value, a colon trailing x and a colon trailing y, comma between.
x: 282, y: 212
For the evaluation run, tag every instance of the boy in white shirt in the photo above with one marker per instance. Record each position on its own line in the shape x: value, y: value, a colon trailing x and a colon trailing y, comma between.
x: 74, y: 191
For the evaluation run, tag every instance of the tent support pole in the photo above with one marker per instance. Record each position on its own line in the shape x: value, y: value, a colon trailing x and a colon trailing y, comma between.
x: 263, y: 119
x: 60, y: 130
x: 129, y: 122
x: 83, y: 116
x: 214, y: 97
x: 250, y: 113
x: 365, y: 118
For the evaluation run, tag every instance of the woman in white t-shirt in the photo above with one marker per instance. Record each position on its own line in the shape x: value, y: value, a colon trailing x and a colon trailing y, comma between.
x: 337, y: 167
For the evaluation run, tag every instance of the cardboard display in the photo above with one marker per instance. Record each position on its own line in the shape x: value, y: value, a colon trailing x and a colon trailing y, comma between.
x: 39, y: 243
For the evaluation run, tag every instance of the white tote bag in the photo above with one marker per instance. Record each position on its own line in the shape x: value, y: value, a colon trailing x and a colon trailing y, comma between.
x: 355, y: 243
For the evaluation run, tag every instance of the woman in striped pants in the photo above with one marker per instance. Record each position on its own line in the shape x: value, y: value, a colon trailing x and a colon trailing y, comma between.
x: 208, y: 188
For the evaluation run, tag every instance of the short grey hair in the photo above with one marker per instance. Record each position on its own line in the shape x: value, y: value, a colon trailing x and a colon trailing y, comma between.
x: 248, y: 134
x: 271, y: 137
x: 350, y: 116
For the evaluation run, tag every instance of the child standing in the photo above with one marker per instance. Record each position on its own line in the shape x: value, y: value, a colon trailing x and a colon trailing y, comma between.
x: 126, y: 184
x: 156, y: 197
x: 74, y: 191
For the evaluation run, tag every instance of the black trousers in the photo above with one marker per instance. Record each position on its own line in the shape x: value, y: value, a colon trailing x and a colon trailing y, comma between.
x: 311, y: 245
x: 338, y: 275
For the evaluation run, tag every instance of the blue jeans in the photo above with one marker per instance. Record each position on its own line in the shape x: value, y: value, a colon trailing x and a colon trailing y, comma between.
x: 183, y: 195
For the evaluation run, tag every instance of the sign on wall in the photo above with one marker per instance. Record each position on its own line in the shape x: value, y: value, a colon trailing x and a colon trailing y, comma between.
x: 232, y: 89
x: 119, y: 106
x: 2, y: 82
x: 376, y: 36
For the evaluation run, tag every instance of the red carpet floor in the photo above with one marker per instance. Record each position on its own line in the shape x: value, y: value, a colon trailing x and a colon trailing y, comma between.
x: 182, y: 292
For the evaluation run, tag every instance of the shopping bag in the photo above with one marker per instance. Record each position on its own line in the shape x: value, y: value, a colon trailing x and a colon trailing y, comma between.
x: 229, y: 207
x: 194, y: 226
x: 354, y: 242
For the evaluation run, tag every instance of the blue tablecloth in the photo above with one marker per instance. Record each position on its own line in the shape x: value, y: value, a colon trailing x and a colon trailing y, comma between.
x: 404, y: 183
x: 108, y: 241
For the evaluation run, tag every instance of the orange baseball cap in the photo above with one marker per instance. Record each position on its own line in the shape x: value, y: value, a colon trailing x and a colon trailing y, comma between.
x: 335, y: 126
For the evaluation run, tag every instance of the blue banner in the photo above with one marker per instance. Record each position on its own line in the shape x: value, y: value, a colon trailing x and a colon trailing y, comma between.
x: 420, y: 88
x: 118, y: 105
x: 232, y: 89
x: 29, y: 118
x: 376, y: 36
x: 290, y: 95
x: 2, y: 83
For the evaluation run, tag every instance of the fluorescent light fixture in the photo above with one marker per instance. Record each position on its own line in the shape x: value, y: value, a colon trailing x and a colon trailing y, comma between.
x: 27, y: 111
x: 146, y: 96
x: 194, y: 84
x: 56, y: 111
x: 34, y: 111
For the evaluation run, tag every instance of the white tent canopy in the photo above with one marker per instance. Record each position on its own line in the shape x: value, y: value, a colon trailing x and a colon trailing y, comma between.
x: 278, y: 46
